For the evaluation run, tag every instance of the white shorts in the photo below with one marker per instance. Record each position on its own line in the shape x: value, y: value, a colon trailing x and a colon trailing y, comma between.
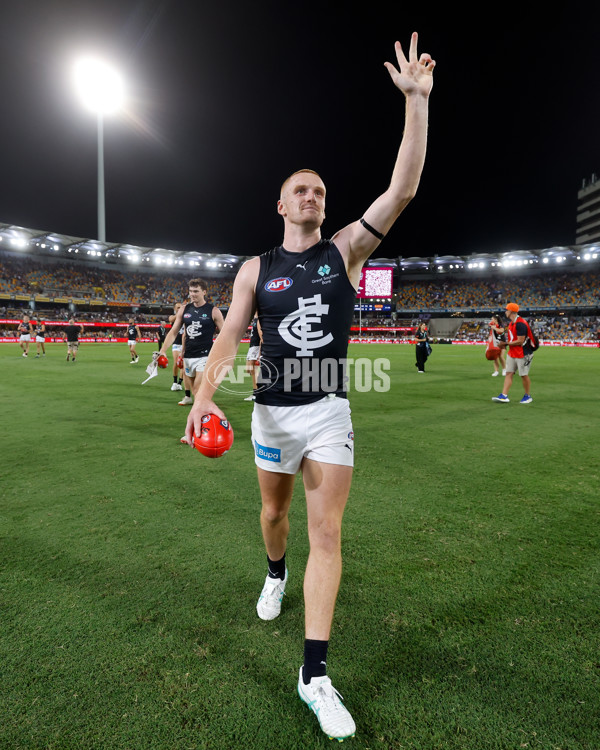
x: 519, y: 365
x: 176, y: 348
x: 253, y: 353
x: 283, y: 435
x: 131, y: 343
x: 194, y: 365
x: 40, y: 339
x: 24, y: 337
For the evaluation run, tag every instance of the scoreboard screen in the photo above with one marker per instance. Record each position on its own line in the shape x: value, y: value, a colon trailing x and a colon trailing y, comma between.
x: 375, y: 282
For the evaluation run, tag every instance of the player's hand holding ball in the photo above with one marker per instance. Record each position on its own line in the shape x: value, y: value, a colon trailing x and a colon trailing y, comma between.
x: 162, y: 361
x: 216, y: 436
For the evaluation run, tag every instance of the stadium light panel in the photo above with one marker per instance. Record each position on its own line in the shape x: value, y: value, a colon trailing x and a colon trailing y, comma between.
x: 99, y: 86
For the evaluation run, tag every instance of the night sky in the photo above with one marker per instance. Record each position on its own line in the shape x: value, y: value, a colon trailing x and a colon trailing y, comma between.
x: 226, y: 99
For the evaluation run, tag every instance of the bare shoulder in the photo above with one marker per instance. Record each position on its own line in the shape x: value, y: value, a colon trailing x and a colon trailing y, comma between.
x: 247, y: 276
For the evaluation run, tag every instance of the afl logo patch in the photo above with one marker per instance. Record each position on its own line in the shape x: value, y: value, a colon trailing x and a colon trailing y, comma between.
x: 278, y: 285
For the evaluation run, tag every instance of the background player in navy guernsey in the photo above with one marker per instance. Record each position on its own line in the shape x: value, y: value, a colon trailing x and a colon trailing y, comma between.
x: 25, y: 331
x: 200, y: 321
x: 304, y: 293
x: 133, y: 334
x: 176, y: 349
x: 40, y: 337
x: 253, y: 355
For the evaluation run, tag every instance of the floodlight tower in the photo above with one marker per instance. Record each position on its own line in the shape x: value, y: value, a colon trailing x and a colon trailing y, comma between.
x: 100, y: 88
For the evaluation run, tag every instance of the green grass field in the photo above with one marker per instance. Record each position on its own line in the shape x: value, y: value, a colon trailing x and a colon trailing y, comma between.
x: 468, y: 615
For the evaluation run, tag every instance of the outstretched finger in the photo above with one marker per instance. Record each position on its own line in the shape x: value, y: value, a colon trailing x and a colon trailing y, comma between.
x: 412, y: 55
x: 400, y: 55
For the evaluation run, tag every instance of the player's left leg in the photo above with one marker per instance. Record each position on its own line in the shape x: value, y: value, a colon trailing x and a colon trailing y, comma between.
x: 327, y: 487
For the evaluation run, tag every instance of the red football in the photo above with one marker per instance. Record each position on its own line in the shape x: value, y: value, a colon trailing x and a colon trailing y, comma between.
x: 162, y: 361
x: 493, y: 352
x: 216, y: 436
x: 180, y: 361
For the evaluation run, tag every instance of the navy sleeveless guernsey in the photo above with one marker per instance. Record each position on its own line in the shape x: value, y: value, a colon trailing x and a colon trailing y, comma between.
x: 199, y: 330
x: 305, y: 304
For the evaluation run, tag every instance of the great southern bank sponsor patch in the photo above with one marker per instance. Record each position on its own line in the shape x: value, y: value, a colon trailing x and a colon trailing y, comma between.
x: 278, y: 285
x: 268, y: 454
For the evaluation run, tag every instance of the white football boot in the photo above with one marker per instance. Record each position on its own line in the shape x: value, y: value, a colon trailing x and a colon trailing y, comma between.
x: 326, y: 703
x: 268, y: 606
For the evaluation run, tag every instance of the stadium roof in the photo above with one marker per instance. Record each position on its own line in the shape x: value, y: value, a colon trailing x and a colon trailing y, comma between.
x: 43, y: 242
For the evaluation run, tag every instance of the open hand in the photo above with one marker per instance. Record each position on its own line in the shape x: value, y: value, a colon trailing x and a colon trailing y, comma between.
x: 416, y: 74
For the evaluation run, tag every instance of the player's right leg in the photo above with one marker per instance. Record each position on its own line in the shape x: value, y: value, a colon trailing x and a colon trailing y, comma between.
x: 276, y: 492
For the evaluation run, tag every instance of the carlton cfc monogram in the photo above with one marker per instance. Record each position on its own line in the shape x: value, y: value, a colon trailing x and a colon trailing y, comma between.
x: 296, y: 328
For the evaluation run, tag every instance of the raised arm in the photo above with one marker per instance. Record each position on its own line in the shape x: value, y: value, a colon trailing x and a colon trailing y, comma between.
x: 414, y: 77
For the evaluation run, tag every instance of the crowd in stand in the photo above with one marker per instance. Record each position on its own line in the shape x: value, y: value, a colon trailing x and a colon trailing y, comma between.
x: 122, y: 292
x: 70, y: 279
x: 543, y: 290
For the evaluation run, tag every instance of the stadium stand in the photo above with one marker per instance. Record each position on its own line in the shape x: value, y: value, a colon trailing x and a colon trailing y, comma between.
x: 564, y: 306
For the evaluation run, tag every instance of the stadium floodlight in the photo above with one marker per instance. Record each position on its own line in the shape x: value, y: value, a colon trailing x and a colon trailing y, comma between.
x: 100, y: 88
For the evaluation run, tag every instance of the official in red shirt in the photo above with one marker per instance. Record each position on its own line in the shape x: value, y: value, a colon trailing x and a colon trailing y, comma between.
x: 519, y: 354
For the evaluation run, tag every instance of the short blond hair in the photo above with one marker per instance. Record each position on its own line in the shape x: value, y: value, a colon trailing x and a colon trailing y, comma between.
x: 299, y: 171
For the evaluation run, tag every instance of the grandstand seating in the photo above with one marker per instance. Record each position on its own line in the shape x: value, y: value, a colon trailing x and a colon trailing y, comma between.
x: 110, y: 294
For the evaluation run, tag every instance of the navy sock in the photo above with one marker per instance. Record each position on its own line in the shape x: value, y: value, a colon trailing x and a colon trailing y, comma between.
x: 276, y: 568
x: 188, y: 393
x: 315, y: 659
